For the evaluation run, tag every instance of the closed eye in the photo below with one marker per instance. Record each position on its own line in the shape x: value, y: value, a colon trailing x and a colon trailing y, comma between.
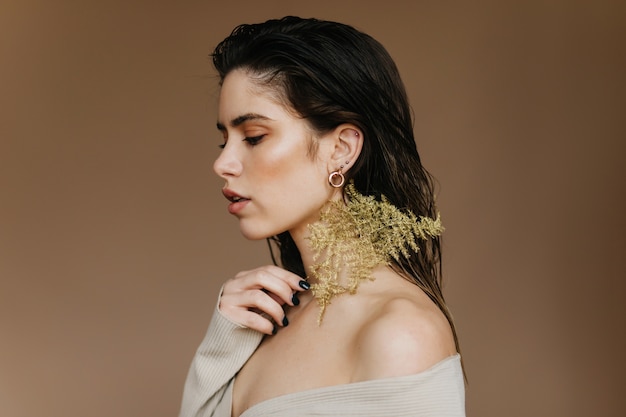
x: 253, y: 140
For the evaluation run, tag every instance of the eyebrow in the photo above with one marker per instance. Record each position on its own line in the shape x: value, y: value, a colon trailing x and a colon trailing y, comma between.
x: 242, y: 119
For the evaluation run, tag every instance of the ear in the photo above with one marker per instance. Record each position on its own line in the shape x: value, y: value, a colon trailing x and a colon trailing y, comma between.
x: 348, y: 142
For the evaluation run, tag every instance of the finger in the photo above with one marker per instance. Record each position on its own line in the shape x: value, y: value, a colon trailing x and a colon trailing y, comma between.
x: 295, y: 281
x: 275, y: 280
x: 232, y: 304
x: 255, y: 321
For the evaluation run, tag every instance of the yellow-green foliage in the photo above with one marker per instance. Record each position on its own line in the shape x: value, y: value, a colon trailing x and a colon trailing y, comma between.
x: 355, y: 237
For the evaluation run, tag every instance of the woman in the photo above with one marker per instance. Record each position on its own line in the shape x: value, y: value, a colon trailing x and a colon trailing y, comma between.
x: 319, y: 157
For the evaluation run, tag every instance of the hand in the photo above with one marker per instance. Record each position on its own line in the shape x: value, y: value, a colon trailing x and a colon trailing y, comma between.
x: 253, y: 298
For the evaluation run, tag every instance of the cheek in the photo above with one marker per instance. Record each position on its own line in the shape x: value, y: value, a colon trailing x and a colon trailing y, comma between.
x: 286, y: 161
x: 276, y: 167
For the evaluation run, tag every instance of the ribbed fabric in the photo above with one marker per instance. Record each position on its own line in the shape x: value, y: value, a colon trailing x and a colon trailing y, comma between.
x: 222, y: 353
x: 436, y: 392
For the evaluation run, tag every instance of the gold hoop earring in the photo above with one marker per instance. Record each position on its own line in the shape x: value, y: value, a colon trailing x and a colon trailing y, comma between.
x: 336, y: 179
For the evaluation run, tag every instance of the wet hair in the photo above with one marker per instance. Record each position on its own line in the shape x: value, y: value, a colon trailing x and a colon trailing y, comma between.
x: 330, y: 73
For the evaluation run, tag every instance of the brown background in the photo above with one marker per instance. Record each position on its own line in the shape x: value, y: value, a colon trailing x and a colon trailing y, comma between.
x: 114, y: 237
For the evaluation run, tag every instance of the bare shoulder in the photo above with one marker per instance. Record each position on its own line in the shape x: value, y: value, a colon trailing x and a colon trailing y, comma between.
x: 406, y: 335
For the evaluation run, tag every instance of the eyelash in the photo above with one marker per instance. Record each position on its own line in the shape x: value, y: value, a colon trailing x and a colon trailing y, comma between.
x: 253, y: 140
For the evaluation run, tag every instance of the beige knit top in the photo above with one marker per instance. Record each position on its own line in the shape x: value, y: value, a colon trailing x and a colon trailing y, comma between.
x: 438, y: 391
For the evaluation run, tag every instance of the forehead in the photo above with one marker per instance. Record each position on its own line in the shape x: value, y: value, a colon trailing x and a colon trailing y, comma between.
x: 243, y: 92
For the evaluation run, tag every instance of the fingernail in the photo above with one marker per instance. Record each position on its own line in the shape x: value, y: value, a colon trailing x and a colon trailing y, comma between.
x: 285, y: 321
x: 295, y: 300
x: 274, y: 329
x: 304, y: 285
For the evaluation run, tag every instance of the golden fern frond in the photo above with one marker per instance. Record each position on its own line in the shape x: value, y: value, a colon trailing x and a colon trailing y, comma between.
x: 356, y: 237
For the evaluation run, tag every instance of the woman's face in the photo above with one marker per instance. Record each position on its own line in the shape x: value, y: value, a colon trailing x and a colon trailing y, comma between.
x: 273, y: 182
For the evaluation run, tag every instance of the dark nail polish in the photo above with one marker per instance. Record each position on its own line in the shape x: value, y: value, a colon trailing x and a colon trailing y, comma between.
x: 295, y: 300
x: 274, y: 330
x: 285, y: 321
x: 304, y: 285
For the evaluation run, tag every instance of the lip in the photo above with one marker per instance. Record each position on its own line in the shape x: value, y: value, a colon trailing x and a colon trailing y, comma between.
x: 237, y: 202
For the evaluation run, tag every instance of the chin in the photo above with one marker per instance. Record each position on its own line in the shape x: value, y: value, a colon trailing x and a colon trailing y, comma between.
x: 255, y: 229
x: 255, y: 234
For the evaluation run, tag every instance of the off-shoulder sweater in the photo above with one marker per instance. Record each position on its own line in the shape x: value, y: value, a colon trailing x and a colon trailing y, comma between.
x: 438, y: 391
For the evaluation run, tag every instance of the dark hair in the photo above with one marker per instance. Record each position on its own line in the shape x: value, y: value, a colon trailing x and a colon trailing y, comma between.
x: 331, y: 74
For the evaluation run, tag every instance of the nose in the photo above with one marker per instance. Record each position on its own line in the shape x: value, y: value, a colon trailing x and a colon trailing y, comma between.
x: 227, y: 164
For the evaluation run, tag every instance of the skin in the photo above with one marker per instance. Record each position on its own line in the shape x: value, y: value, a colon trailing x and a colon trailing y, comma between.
x: 274, y: 170
x: 389, y: 328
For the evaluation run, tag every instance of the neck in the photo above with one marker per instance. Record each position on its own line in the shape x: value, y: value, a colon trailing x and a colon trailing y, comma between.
x: 301, y: 239
x: 351, y: 239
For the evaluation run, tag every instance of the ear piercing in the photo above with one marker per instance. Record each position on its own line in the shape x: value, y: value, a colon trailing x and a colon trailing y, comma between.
x: 336, y: 178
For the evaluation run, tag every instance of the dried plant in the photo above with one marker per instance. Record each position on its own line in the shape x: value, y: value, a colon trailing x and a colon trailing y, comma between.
x: 355, y: 237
